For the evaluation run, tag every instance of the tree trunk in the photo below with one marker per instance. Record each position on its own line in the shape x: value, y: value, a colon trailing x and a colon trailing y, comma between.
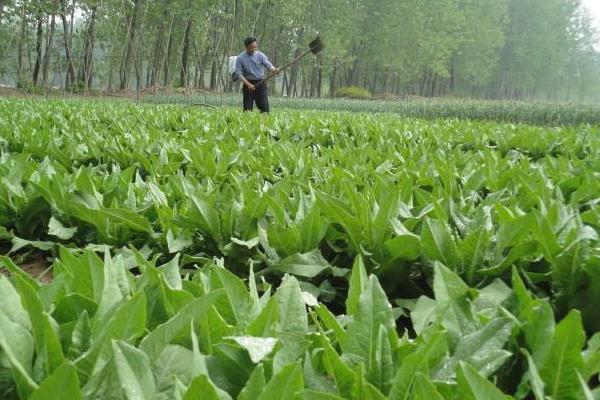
x: 332, y: 78
x: 131, y: 29
x: 183, y: 78
x: 38, y: 49
x: 86, y: 72
x: 70, y: 78
x: 20, y: 49
x: 166, y: 61
x: 154, y: 70
x: 47, y: 51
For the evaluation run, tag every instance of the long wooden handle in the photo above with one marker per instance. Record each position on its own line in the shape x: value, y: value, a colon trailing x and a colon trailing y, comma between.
x: 286, y: 66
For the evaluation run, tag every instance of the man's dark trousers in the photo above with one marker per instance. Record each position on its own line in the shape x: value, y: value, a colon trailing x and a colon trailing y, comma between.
x: 260, y: 95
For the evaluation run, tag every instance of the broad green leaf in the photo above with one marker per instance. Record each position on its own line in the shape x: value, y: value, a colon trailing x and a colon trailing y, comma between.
x: 454, y: 301
x: 12, y: 303
x: 285, y: 384
x: 129, y: 218
x: 308, y: 265
x: 424, y: 389
x: 18, y: 244
x: 405, y: 247
x: 133, y: 370
x: 358, y: 281
x: 55, y: 228
x: 127, y: 322
x: 474, y: 250
x: 266, y: 323
x: 329, y: 322
x: 243, y: 306
x: 115, y: 284
x: 374, y: 311
x: 564, y: 361
x: 483, y: 349
x: 14, y: 270
x: 539, y: 327
x: 62, y: 384
x: 154, y: 343
x: 258, y: 348
x: 424, y: 313
x: 535, y: 381
x: 437, y: 242
x: 429, y: 354
x: 17, y: 346
x: 309, y: 394
x: 201, y: 388
x: 342, y: 374
x: 473, y: 386
x: 47, y: 343
x: 255, y: 385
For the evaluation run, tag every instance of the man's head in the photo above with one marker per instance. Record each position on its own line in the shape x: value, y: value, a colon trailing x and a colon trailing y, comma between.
x: 251, y: 44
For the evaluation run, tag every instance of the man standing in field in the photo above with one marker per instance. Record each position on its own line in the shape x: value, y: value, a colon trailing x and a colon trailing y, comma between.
x: 249, y: 68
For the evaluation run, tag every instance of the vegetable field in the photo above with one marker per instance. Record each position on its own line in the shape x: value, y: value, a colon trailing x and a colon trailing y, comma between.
x: 209, y: 254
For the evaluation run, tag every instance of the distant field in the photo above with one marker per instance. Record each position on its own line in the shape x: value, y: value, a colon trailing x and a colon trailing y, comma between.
x: 515, y: 112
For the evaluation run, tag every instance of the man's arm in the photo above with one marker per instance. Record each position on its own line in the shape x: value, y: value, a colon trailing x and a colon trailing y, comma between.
x: 269, y: 65
x: 240, y: 75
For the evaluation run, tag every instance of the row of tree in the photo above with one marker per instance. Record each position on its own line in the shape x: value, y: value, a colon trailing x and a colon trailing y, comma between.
x: 502, y: 49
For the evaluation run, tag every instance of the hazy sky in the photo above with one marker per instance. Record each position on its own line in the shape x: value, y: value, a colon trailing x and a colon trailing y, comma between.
x: 594, y: 8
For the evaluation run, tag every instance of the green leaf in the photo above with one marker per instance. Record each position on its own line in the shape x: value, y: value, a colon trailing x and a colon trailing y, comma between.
x: 424, y: 389
x: 17, y: 346
x: 430, y: 352
x: 424, y: 313
x: 473, y: 386
x: 18, y: 244
x: 127, y: 322
x: 474, y: 250
x: 564, y: 361
x: 535, y: 381
x: 115, y: 284
x: 243, y: 306
x: 258, y: 348
x: 358, y: 281
x: 154, y: 343
x: 437, y: 242
x: 133, y: 370
x: 62, y: 384
x: 483, y: 349
x: 16, y: 271
x: 329, y: 322
x: 293, y: 323
x: 405, y: 247
x: 48, y: 346
x: 285, y: 384
x: 255, y: 385
x: 308, y: 394
x: 55, y: 228
x: 454, y: 301
x: 308, y: 265
x: 201, y: 388
x: 342, y: 374
x: 129, y: 218
x: 374, y: 311
x: 177, y: 243
x: 538, y: 327
x: 12, y: 305
x: 265, y: 323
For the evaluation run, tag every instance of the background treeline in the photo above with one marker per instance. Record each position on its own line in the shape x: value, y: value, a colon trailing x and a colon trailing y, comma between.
x: 496, y: 49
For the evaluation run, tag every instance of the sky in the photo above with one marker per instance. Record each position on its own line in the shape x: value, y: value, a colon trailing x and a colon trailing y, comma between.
x: 593, y: 7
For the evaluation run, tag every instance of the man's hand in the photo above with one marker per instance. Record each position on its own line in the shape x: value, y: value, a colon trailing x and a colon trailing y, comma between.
x: 250, y: 87
x: 275, y: 71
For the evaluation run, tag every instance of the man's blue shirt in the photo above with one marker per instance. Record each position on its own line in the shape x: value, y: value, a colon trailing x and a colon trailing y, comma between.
x: 251, y: 66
